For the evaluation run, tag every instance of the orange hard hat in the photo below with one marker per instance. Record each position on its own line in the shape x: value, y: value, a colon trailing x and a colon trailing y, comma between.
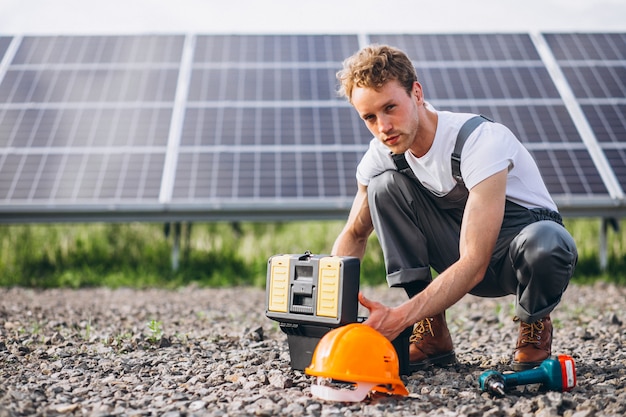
x: 359, y: 355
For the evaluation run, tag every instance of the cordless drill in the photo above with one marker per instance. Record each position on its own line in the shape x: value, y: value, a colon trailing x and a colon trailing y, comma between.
x: 557, y: 373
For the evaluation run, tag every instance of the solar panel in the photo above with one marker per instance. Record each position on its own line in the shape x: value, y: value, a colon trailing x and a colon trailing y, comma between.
x: 594, y: 65
x: 263, y: 118
x: 84, y: 121
x: 173, y: 127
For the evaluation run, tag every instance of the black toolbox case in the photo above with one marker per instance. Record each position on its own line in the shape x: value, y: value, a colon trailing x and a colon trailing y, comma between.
x: 309, y: 295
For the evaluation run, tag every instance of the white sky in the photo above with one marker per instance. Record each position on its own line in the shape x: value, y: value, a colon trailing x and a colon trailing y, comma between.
x: 308, y: 16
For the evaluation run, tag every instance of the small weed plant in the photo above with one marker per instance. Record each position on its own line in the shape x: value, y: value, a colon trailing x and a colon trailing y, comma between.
x: 156, y: 330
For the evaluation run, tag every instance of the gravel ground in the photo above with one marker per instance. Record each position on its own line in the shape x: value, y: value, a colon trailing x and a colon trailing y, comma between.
x: 197, y: 352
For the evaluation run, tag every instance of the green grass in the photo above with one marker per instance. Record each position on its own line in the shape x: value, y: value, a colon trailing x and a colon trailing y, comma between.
x: 213, y: 254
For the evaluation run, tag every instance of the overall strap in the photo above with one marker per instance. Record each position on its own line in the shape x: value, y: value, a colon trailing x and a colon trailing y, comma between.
x: 455, y: 159
x: 401, y: 164
x: 466, y: 130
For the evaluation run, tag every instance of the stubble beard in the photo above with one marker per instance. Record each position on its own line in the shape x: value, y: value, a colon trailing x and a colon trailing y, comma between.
x: 401, y: 144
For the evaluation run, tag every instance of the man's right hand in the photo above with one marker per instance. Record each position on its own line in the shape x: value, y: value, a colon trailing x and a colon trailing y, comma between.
x: 382, y: 318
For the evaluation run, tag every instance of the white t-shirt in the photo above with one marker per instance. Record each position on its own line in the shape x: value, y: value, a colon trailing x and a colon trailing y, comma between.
x: 491, y: 148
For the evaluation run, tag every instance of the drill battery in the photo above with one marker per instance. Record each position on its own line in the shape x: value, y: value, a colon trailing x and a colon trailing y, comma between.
x: 309, y: 295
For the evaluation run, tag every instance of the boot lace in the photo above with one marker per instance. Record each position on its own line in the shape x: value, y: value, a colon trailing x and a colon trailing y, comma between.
x: 531, y: 332
x: 421, y: 327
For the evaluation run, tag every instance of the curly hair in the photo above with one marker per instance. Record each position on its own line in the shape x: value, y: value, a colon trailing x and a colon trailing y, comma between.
x: 373, y: 66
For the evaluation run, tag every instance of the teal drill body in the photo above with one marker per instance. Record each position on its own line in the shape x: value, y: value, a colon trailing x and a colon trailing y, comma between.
x: 556, y: 373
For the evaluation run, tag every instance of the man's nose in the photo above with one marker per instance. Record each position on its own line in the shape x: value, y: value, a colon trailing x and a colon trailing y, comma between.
x: 384, y: 125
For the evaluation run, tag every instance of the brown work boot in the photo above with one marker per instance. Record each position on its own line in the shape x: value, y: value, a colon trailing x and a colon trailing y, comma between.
x: 430, y: 344
x: 534, y: 344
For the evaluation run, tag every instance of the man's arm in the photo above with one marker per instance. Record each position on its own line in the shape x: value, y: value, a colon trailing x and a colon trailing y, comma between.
x: 481, y: 225
x: 353, y: 238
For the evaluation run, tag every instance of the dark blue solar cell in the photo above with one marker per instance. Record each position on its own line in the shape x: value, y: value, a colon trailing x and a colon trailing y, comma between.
x: 462, y: 47
x: 5, y: 41
x: 587, y: 46
x: 274, y: 48
x: 597, y: 81
x: 569, y: 172
x: 262, y: 84
x: 617, y: 160
x: 608, y: 122
x: 131, y: 49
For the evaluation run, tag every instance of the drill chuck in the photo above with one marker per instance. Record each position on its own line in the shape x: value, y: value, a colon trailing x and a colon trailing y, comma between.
x: 493, y: 383
x: 556, y: 373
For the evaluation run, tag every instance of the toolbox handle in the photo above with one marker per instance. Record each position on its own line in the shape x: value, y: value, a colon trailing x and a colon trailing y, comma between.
x: 307, y: 255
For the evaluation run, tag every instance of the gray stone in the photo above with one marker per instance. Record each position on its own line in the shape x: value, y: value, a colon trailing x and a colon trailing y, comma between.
x: 225, y: 358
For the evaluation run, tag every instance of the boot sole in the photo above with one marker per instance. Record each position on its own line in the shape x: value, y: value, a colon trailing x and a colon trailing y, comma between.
x: 439, y: 360
x: 524, y: 366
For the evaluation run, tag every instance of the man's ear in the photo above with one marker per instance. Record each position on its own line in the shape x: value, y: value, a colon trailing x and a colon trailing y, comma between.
x: 418, y: 93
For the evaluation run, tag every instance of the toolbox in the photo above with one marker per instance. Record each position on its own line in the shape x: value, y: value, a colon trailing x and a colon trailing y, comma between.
x: 309, y: 295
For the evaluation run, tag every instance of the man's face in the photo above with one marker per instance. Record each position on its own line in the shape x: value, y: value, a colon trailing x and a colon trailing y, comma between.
x: 389, y: 113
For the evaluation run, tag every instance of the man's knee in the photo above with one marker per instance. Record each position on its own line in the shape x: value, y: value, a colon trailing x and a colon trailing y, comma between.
x: 544, y: 246
x: 389, y: 191
x: 384, y: 184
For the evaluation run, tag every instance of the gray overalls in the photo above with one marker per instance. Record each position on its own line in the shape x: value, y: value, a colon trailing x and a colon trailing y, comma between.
x: 534, y: 256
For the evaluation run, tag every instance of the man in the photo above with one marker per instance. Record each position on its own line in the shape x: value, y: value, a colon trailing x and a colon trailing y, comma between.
x: 492, y: 231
